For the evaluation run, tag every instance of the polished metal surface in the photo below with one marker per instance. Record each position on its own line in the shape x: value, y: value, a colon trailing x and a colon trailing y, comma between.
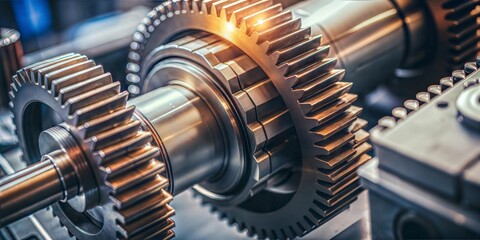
x: 107, y: 158
x: 245, y: 102
x: 28, y: 191
x: 11, y: 54
x: 367, y: 37
x: 424, y: 182
x: 189, y: 132
x: 256, y: 115
x: 378, y: 39
x: 285, y: 95
x: 468, y: 104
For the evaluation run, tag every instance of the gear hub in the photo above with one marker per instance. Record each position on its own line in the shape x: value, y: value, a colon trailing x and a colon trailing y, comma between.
x: 235, y: 99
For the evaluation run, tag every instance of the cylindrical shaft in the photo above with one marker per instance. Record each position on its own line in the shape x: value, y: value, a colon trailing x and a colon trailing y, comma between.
x: 370, y: 39
x: 11, y: 54
x: 189, y: 132
x: 37, y: 186
x: 28, y: 191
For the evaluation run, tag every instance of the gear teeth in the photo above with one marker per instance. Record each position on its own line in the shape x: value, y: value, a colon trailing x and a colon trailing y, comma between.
x: 137, y: 211
x: 136, y: 195
x: 97, y: 114
x: 68, y: 70
x: 46, y: 74
x: 330, y: 111
x: 399, y: 113
x: 333, y: 160
x: 109, y: 153
x: 297, y: 63
x: 462, y: 18
x: 83, y: 100
x: 227, y: 10
x: 58, y: 85
x: 239, y: 14
x: 98, y: 125
x: 327, y: 147
x: 316, y: 101
x: 141, y: 173
x: 423, y: 97
x: 299, y: 43
x: 249, y: 21
x: 32, y: 70
x: 470, y: 67
x: 314, y: 78
x: 334, y: 175
x: 99, y: 109
x: 264, y: 25
x: 128, y: 162
x: 411, y: 105
x: 151, y: 222
x: 114, y: 135
x: 335, y: 130
x: 337, y: 124
x: 279, y: 30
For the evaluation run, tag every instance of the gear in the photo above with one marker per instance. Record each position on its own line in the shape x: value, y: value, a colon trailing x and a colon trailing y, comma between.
x: 460, y: 26
x: 288, y: 97
x: 131, y: 200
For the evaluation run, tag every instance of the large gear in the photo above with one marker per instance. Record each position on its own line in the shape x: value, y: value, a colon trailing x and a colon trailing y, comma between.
x: 255, y: 47
x: 458, y: 26
x: 131, y: 201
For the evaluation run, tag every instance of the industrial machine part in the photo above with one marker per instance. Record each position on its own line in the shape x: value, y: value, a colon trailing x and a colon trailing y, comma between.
x: 375, y: 41
x: 39, y: 226
x: 259, y: 125
x: 10, y: 61
x: 425, y: 182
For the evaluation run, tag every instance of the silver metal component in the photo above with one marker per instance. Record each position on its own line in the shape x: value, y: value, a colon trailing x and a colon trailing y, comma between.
x: 367, y: 37
x: 189, y: 132
x: 289, y: 111
x: 107, y: 155
x: 425, y: 182
x: 11, y: 54
x: 468, y: 104
x: 377, y: 40
x: 29, y: 190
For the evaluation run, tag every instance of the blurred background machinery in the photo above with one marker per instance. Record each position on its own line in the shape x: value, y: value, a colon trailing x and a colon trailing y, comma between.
x: 427, y: 186
x: 264, y: 73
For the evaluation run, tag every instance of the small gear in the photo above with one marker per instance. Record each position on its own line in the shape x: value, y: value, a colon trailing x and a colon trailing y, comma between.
x: 296, y: 113
x: 131, y: 201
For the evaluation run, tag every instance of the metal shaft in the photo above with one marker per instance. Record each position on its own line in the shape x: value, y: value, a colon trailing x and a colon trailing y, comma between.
x: 11, y: 54
x: 189, y: 132
x: 34, y: 188
x: 370, y: 39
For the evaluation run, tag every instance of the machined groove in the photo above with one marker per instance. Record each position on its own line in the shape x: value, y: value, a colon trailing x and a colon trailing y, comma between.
x: 298, y: 73
x: 95, y: 111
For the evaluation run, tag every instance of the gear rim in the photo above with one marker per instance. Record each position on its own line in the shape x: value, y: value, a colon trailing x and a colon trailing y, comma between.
x: 110, y: 223
x: 219, y: 12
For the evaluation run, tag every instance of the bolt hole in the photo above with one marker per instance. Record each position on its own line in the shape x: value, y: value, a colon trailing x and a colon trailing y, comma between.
x: 442, y: 105
x: 412, y: 226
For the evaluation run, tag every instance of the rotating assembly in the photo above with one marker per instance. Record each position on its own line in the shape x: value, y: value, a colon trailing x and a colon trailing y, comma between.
x: 235, y: 99
x: 404, y: 44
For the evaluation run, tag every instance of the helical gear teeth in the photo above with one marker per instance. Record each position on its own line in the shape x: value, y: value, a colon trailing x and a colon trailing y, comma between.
x: 462, y: 18
x: 95, y: 110
x: 309, y: 83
